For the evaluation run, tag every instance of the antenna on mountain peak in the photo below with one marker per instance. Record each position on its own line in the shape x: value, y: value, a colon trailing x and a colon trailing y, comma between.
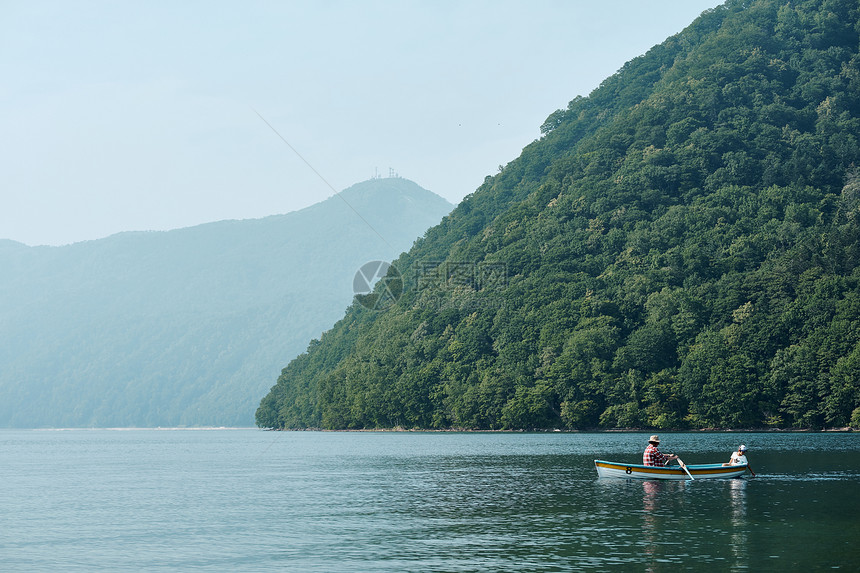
x: 321, y: 177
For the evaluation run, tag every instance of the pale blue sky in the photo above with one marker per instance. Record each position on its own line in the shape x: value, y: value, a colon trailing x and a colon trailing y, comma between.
x: 120, y: 116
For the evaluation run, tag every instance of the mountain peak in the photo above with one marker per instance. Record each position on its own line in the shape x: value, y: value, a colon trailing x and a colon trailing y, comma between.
x: 190, y: 326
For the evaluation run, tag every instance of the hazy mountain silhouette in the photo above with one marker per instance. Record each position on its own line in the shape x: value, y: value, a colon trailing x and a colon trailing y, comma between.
x: 191, y: 326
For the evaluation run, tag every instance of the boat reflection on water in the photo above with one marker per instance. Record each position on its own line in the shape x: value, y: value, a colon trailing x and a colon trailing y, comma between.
x: 738, y: 497
x: 665, y: 502
x: 659, y: 501
x: 650, y: 490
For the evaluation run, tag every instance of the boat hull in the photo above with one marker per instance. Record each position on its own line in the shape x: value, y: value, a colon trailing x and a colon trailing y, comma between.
x: 636, y: 471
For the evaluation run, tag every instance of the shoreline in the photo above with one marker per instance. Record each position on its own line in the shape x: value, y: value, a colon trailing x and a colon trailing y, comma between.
x: 845, y: 430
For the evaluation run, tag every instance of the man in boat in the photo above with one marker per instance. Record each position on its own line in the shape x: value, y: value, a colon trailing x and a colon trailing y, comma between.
x: 740, y: 457
x: 653, y: 456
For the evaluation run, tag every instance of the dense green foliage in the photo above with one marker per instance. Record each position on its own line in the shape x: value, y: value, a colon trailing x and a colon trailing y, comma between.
x: 680, y: 250
x: 187, y: 327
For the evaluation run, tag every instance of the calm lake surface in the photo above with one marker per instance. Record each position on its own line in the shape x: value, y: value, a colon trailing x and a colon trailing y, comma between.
x: 249, y: 500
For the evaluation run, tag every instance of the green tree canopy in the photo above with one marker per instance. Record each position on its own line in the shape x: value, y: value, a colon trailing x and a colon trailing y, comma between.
x: 678, y: 250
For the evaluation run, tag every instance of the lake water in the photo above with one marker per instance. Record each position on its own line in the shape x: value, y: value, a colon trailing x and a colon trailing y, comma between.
x: 249, y: 500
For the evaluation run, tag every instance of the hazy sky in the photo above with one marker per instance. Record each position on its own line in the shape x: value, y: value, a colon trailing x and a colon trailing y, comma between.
x: 123, y: 115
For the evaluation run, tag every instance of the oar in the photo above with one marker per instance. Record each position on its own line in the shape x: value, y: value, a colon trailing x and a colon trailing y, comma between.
x: 683, y: 465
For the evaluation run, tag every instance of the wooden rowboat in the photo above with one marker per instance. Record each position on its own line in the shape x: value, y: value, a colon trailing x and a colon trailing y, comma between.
x: 636, y: 471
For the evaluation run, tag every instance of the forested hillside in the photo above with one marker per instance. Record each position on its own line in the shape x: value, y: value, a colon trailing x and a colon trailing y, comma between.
x: 679, y: 249
x: 187, y: 327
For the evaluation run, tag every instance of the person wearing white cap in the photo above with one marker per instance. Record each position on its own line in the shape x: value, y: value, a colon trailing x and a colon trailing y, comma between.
x: 740, y: 457
x: 653, y: 456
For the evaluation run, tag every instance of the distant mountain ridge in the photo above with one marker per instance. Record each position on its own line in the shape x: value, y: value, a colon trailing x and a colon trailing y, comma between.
x: 187, y: 327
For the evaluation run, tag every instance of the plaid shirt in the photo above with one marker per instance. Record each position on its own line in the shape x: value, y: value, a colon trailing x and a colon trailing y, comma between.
x: 653, y: 456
